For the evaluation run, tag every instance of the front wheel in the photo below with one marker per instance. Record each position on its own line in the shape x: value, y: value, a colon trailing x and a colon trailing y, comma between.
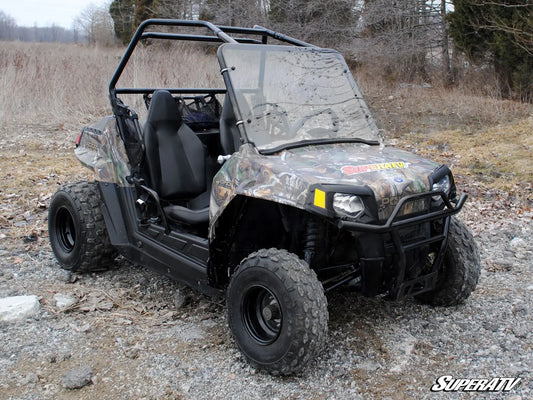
x: 277, y: 311
x: 460, y: 270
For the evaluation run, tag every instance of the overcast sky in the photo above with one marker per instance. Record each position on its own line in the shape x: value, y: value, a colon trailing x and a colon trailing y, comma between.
x: 46, y: 12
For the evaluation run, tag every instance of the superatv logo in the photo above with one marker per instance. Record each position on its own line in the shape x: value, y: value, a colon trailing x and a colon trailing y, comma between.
x: 359, y: 169
x: 448, y: 383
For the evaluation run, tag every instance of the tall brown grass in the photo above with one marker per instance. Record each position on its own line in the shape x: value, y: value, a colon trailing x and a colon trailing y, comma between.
x: 43, y: 83
x: 403, y: 108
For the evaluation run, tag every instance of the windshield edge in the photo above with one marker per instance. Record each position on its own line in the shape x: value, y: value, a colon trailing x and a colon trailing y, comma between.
x: 317, y: 142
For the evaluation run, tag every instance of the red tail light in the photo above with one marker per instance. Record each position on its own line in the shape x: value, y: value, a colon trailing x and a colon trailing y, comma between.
x: 79, y: 139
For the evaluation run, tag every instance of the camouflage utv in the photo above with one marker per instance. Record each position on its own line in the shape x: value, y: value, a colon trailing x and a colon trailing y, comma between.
x: 275, y: 189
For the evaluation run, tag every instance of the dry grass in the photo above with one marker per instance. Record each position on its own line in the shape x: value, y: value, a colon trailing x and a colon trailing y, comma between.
x: 173, y: 65
x: 46, y: 82
x: 28, y: 179
x: 400, y: 108
x: 499, y: 157
x: 68, y: 84
x: 52, y: 83
x: 50, y: 90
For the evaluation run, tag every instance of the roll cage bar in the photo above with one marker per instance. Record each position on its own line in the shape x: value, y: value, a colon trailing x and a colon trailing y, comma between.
x: 220, y: 34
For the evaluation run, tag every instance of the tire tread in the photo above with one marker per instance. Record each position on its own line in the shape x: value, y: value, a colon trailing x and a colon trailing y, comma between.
x: 310, y: 328
x: 97, y: 252
x: 462, y: 268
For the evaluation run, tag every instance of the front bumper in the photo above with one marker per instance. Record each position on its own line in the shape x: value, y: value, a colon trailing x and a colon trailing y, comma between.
x: 372, y: 257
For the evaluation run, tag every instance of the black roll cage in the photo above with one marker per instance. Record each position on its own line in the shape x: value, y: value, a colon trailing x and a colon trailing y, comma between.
x: 220, y: 34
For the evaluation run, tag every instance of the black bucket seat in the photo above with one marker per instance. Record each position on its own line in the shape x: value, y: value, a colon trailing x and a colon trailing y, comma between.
x: 175, y: 157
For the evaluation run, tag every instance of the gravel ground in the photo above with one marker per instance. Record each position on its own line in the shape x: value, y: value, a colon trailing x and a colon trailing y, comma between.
x: 132, y: 334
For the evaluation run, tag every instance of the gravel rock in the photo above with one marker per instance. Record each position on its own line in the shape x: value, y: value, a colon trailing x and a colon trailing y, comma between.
x: 66, y: 276
x: 18, y: 308
x: 518, y: 244
x: 179, y: 299
x: 132, y: 352
x: 30, y: 379
x: 127, y: 326
x: 64, y: 301
x: 56, y: 357
x: 77, y: 378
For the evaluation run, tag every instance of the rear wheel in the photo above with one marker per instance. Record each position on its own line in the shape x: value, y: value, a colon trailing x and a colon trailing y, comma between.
x: 277, y: 311
x: 78, y: 235
x: 460, y: 270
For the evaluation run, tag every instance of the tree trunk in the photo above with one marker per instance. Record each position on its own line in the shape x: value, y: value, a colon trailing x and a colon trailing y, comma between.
x: 445, y: 46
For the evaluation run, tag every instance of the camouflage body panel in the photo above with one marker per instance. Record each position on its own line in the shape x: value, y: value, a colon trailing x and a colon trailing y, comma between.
x: 102, y: 150
x: 287, y: 177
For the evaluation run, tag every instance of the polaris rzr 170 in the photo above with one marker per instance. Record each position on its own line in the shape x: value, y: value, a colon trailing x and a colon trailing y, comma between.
x: 274, y: 189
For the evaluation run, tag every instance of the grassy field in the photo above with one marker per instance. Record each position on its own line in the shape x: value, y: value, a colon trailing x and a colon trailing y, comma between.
x: 54, y: 84
x: 50, y: 90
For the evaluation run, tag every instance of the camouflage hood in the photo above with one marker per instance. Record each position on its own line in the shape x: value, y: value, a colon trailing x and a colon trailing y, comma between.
x: 390, y: 173
x: 359, y: 164
x: 287, y: 177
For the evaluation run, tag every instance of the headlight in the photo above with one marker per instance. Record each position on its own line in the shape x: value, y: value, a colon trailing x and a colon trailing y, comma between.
x: 443, y: 186
x: 348, y: 205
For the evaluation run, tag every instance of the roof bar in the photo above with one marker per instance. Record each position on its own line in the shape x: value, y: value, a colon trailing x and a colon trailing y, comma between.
x: 282, y: 37
x: 174, y: 90
x: 220, y: 35
x: 196, y: 38
x: 159, y: 22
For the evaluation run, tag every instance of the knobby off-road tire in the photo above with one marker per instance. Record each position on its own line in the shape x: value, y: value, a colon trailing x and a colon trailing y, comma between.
x: 460, y: 270
x: 277, y: 311
x: 78, y: 235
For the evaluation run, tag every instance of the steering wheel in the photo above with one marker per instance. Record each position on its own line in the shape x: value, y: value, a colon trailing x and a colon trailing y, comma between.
x: 318, y: 131
x: 275, y: 118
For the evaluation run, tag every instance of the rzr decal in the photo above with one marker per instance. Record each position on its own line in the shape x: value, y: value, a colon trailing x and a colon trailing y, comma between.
x: 359, y: 169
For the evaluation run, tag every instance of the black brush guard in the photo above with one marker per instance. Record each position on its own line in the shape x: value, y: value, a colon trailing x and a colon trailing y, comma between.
x: 401, y: 286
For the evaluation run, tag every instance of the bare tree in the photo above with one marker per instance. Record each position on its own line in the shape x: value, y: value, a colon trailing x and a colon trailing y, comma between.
x: 405, y: 35
x: 329, y: 24
x: 96, y: 25
x: 498, y: 34
x: 235, y: 12
x: 9, y: 30
x: 182, y: 9
x: 7, y: 27
x: 520, y: 25
x: 445, y: 35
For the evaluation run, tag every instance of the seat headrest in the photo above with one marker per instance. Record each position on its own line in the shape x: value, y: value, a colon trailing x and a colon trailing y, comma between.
x: 163, y: 109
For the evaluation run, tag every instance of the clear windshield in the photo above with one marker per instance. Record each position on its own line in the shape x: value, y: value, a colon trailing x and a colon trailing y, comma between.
x: 288, y: 94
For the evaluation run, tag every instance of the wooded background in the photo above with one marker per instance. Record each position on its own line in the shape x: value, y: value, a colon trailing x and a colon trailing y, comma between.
x: 483, y: 44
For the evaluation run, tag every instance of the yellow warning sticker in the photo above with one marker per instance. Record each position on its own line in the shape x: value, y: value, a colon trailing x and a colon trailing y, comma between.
x: 320, y: 198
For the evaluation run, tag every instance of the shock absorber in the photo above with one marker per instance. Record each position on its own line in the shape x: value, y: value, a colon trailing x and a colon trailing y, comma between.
x: 311, y: 237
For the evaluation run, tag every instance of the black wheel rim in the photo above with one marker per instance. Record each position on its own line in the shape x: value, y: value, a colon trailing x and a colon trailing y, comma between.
x: 65, y: 230
x: 262, y: 316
